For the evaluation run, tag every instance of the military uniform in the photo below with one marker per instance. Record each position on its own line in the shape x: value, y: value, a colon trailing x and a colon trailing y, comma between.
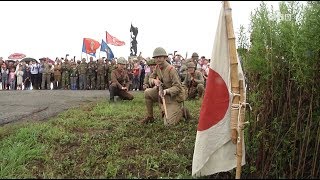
x: 193, y: 83
x: 146, y: 82
x: 101, y: 72
x: 194, y: 59
x: 106, y: 77
x: 173, y: 91
x: 65, y: 79
x: 112, y: 67
x: 82, y: 69
x: 119, y: 80
x: 46, y: 74
x: 91, y: 75
x: 57, y: 76
x: 183, y: 71
x: 73, y: 76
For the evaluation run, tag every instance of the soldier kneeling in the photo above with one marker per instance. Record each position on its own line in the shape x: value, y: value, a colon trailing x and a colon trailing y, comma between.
x: 168, y: 88
x: 119, y: 81
x: 194, y: 82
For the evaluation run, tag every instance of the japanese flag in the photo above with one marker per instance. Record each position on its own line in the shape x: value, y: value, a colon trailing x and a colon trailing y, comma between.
x: 214, y: 152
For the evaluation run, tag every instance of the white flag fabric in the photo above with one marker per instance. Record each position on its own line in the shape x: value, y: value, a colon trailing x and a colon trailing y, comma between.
x: 214, y: 152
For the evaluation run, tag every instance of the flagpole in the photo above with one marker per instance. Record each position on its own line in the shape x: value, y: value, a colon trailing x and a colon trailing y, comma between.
x: 236, y: 132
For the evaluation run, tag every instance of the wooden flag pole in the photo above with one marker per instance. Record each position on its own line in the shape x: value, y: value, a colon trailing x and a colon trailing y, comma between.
x: 235, y: 135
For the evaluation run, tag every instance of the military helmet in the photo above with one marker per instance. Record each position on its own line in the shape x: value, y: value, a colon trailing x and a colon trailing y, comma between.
x: 195, y: 54
x: 151, y: 62
x: 122, y: 60
x: 191, y: 65
x: 159, y: 51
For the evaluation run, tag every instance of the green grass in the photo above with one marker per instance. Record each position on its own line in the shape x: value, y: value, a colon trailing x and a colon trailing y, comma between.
x: 99, y: 140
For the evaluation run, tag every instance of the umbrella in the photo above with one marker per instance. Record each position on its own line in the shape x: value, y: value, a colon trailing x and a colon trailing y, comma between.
x: 17, y: 56
x: 47, y: 59
x: 27, y: 60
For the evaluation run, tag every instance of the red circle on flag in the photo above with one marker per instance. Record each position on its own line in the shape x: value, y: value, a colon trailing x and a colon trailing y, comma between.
x: 215, y: 102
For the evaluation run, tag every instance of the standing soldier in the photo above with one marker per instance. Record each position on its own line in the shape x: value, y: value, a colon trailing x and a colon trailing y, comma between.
x: 106, y: 78
x: 73, y: 76
x: 168, y: 87
x: 194, y: 59
x: 194, y: 82
x: 65, y: 67
x: 57, y: 75
x: 101, y: 72
x: 91, y: 75
x: 146, y: 82
x: 46, y: 74
x: 83, y: 68
x: 119, y: 81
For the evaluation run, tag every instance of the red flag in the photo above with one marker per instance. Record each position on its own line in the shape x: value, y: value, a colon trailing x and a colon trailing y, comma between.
x: 113, y: 40
x: 214, y: 151
x: 90, y: 45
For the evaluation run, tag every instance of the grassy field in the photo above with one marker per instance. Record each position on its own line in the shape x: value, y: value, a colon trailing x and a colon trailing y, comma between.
x: 99, y: 140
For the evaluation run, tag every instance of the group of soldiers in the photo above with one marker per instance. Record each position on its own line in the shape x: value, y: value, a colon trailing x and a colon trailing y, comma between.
x: 168, y: 81
x: 80, y: 75
x: 164, y: 84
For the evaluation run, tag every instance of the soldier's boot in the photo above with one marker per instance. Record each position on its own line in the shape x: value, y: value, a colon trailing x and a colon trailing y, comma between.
x: 146, y: 120
x: 186, y: 114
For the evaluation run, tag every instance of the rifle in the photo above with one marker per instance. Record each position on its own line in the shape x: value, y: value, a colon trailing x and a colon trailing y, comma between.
x: 191, y: 83
x: 162, y: 98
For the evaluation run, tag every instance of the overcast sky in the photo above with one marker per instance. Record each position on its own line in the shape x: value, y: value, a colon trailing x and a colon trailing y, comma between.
x: 53, y: 29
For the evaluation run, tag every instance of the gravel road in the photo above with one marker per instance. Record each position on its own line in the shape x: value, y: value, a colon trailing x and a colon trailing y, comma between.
x: 42, y: 104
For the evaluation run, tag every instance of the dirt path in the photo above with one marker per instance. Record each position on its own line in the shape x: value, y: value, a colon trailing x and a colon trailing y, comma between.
x: 42, y: 104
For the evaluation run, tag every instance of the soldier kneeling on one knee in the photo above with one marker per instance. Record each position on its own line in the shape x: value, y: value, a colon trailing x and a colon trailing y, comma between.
x: 194, y: 82
x: 119, y: 81
x: 168, y: 91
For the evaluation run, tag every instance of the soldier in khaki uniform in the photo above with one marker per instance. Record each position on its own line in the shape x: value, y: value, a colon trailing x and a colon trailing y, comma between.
x: 112, y: 67
x: 119, y: 81
x: 91, y: 74
x: 173, y: 91
x: 83, y: 68
x: 46, y: 74
x: 57, y: 75
x: 194, y: 59
x: 194, y: 82
x: 146, y: 82
x: 101, y: 72
x: 65, y: 79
